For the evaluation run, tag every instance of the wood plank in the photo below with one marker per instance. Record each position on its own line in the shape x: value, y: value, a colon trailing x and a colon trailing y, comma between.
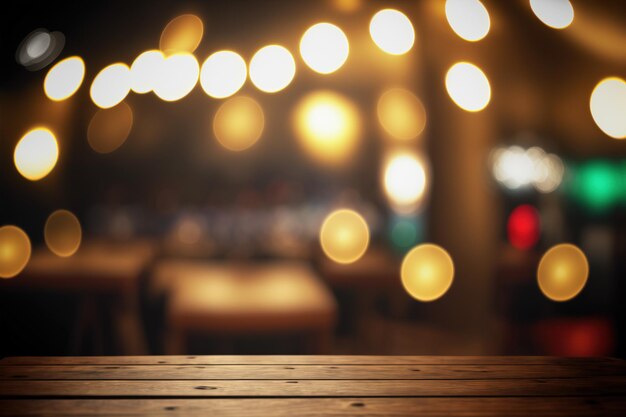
x: 506, y: 406
x: 317, y: 388
x: 331, y: 372
x: 302, y: 360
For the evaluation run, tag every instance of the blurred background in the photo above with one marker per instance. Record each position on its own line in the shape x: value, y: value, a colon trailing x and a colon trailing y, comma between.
x: 337, y: 176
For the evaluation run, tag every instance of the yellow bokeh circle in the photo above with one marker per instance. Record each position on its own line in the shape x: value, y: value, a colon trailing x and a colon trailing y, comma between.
x: 14, y: 251
x: 344, y: 236
x: 562, y: 272
x: 62, y: 233
x: 427, y: 272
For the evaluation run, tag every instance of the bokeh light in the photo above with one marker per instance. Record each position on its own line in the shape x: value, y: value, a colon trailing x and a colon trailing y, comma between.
x: 401, y: 114
x: 111, y: 85
x: 14, y: 251
x: 328, y: 126
x: 62, y: 233
x: 404, y: 181
x: 562, y: 272
x: 523, y: 227
x: 176, y: 77
x: 468, y: 18
x: 182, y: 34
x: 64, y: 78
x: 608, y: 106
x: 223, y: 74
x: 39, y: 48
x: 109, y: 128
x: 344, y: 236
x: 427, y: 272
x: 515, y: 168
x: 238, y: 123
x: 405, y: 232
x: 144, y: 70
x: 557, y: 14
x: 36, y: 153
x: 468, y: 86
x: 272, y: 68
x: 392, y: 31
x: 597, y: 184
x: 324, y: 48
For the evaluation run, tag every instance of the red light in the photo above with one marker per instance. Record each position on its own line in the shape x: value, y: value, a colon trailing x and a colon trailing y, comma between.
x: 523, y: 227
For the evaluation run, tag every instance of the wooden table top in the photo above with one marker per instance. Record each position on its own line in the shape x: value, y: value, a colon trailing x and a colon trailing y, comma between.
x: 96, y: 266
x: 312, y: 386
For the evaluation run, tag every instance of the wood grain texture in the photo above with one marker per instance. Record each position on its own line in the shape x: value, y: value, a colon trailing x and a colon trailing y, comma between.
x: 305, y: 360
x: 511, y: 407
x: 306, y: 372
x: 317, y: 388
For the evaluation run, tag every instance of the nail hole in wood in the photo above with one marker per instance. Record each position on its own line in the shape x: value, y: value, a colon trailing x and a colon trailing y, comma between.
x: 191, y: 357
x: 415, y: 370
x: 170, y: 408
x: 333, y: 367
x: 291, y: 382
x: 111, y: 367
x: 289, y: 367
x: 161, y: 362
x: 357, y: 405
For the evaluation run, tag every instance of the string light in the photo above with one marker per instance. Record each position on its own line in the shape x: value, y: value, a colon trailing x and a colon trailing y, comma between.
x: 468, y: 86
x: 111, y: 86
x: 608, y: 106
x: 272, y: 68
x: 64, y: 78
x: 468, y: 18
x: 427, y: 272
x: 324, y: 48
x: 392, y: 32
x: 36, y: 153
x: 562, y: 272
x: 223, y: 74
x: 15, y: 251
x: 344, y: 236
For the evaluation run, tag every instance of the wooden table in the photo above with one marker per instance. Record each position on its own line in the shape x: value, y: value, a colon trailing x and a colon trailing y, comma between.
x: 99, y: 268
x: 234, y: 298
x: 312, y: 386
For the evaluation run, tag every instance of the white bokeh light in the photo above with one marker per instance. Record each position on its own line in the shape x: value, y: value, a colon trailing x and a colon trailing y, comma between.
x: 111, y: 86
x: 177, y: 76
x: 272, y: 68
x: 468, y: 18
x: 324, y: 48
x: 468, y: 86
x: 223, y: 74
x: 392, y: 31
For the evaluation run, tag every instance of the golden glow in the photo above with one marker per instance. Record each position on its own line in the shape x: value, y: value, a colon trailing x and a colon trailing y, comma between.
x: 557, y: 14
x: 608, y: 106
x: 238, y: 123
x: 392, y: 31
x: 64, y: 78
x: 401, y: 114
x: 36, y: 153
x: 324, y: 48
x: 272, y: 68
x: 182, y: 34
x: 427, y: 272
x: 14, y: 251
x: 344, y: 236
x: 176, y: 77
x: 110, y: 86
x: 562, y: 272
x: 223, y: 74
x: 62, y: 233
x: 144, y: 71
x: 109, y: 128
x: 468, y: 18
x: 404, y: 181
x: 468, y: 86
x: 328, y: 126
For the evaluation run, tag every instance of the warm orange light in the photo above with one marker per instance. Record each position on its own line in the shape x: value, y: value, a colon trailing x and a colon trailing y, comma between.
x: 468, y: 18
x: 562, y: 272
x: 405, y: 181
x: 468, y: 86
x: 109, y: 128
x: 344, y: 236
x: 36, y: 153
x: 392, y: 31
x: 324, y: 48
x: 401, y: 114
x: 272, y: 68
x: 328, y: 126
x: 64, y: 78
x: 62, y: 233
x: 182, y: 34
x: 14, y: 251
x: 238, y: 123
x: 144, y: 71
x: 176, y: 76
x: 608, y: 106
x: 223, y: 74
x: 427, y: 272
x: 111, y: 86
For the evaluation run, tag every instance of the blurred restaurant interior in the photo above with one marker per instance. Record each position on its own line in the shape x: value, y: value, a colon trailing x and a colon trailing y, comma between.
x: 301, y: 177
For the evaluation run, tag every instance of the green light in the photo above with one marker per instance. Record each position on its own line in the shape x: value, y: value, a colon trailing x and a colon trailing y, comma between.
x: 598, y: 184
x: 405, y: 232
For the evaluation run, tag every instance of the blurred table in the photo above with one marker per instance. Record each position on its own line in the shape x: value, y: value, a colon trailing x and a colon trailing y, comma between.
x: 238, y: 298
x: 98, y: 269
x: 313, y: 386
